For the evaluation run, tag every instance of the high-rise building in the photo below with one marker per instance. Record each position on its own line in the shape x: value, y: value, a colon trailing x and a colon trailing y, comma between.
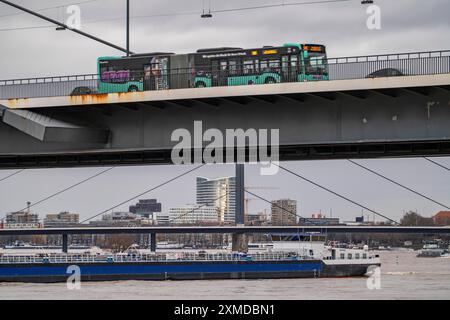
x: 193, y: 214
x: 119, y: 216
x: 161, y: 218
x: 284, y: 212
x: 117, y: 219
x: 21, y: 219
x: 146, y: 208
x: 261, y: 218
x: 63, y: 219
x: 318, y: 219
x: 219, y: 193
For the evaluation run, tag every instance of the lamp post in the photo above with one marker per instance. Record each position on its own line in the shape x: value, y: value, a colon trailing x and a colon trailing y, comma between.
x: 62, y: 26
x: 128, y: 28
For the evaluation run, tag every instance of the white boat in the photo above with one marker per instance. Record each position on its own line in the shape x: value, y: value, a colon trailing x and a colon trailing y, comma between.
x: 431, y: 250
x: 313, y: 246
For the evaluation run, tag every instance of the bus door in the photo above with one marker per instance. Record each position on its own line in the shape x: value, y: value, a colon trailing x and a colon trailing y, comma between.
x: 156, y: 74
x: 219, y: 72
x: 295, y: 68
x: 285, y: 69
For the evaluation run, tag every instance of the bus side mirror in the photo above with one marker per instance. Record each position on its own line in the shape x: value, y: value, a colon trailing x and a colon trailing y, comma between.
x: 305, y: 54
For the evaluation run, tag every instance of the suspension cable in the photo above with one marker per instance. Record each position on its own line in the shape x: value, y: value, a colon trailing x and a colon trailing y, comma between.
x: 336, y: 194
x: 144, y: 193
x: 397, y: 183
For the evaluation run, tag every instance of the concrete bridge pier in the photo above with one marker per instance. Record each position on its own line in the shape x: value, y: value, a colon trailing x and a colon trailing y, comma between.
x: 240, y: 242
x: 153, y: 242
x: 65, y: 243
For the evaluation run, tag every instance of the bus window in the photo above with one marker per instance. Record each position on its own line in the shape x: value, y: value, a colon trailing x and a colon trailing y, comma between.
x: 274, y: 65
x: 223, y: 65
x: 256, y: 66
x: 264, y: 66
x: 285, y: 63
x: 316, y: 63
x: 294, y: 62
x: 232, y: 67
x: 249, y: 67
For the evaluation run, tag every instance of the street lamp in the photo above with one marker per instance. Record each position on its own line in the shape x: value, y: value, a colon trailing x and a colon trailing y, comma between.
x: 128, y: 28
x: 206, y: 15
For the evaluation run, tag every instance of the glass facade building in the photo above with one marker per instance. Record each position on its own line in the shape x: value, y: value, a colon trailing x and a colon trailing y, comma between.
x: 219, y: 193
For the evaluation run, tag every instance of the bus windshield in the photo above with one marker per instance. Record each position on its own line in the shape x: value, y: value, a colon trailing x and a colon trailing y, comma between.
x: 316, y: 63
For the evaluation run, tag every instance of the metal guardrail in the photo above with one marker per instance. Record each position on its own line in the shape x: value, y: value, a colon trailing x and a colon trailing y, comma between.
x: 343, y: 68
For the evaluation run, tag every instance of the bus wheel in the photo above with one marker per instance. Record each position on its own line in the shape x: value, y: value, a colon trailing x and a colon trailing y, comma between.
x: 133, y: 89
x: 200, y: 84
x: 270, y: 80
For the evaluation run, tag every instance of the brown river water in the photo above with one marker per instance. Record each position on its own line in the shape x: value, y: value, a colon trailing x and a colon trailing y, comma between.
x: 403, y: 276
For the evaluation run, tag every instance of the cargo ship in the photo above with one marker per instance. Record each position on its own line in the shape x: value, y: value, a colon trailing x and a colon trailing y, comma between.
x: 286, y: 259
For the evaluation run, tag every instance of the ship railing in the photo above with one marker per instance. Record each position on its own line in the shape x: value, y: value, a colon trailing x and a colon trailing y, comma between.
x: 163, y: 257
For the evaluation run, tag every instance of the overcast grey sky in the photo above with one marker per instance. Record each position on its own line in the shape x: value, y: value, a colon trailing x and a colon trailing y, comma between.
x: 407, y: 25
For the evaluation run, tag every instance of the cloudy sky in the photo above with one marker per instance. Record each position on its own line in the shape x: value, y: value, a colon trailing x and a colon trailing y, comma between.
x: 31, y: 47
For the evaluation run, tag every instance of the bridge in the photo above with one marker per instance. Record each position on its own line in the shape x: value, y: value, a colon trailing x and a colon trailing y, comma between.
x: 52, y: 122
x: 363, y: 111
x: 235, y: 230
x: 224, y: 229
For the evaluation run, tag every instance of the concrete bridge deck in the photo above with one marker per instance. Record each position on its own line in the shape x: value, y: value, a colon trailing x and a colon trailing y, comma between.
x: 335, y: 86
x: 228, y: 229
x: 349, y: 116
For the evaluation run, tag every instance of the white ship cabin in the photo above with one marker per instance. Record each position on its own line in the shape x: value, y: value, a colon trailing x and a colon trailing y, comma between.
x: 312, y: 246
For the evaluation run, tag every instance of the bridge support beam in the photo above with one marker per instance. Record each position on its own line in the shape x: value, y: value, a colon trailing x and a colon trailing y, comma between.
x: 240, y: 194
x: 48, y: 129
x: 65, y: 243
x: 153, y: 242
x: 240, y: 242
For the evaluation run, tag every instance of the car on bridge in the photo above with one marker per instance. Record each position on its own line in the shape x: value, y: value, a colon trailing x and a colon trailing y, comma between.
x: 79, y: 91
x: 387, y: 72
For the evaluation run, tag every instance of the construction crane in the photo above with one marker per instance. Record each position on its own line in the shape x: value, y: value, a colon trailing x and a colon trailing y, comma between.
x: 247, y: 200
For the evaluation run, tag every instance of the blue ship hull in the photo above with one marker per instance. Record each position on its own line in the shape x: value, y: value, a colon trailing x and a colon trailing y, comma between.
x: 187, y: 270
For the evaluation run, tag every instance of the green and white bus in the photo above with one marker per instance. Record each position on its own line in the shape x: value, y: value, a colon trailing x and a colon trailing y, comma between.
x: 213, y: 67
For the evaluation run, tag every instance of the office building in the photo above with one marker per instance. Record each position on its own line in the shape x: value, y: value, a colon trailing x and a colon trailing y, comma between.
x: 63, y: 219
x: 319, y: 219
x: 219, y: 193
x: 21, y: 220
x: 146, y: 208
x: 284, y: 212
x: 193, y: 214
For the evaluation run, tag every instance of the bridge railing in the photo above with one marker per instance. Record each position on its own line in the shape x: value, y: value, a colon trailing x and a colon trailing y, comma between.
x: 343, y: 68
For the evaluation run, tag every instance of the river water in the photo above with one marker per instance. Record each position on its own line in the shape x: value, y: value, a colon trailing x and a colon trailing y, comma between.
x: 403, y: 276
